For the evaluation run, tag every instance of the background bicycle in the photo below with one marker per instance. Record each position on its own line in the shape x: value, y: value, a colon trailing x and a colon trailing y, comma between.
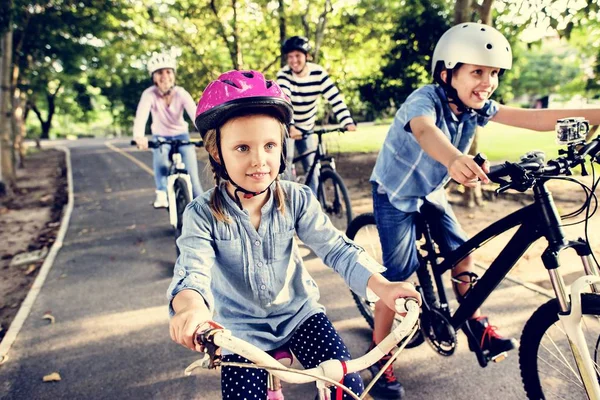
x: 331, y: 190
x: 179, y: 184
x: 328, y: 373
x: 548, y: 367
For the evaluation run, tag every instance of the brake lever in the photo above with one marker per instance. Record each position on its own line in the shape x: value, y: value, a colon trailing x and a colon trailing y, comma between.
x: 504, y: 188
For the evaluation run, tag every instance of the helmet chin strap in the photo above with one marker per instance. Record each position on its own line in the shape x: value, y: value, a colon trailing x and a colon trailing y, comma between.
x: 453, y: 98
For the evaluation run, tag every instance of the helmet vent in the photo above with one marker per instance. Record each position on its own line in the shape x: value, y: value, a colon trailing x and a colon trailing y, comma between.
x: 482, y: 29
x: 230, y: 82
x: 269, y: 84
x: 248, y: 74
x: 489, y: 46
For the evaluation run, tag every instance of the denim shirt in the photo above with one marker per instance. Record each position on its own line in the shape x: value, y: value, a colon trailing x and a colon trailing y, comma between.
x: 254, y: 281
x: 403, y: 170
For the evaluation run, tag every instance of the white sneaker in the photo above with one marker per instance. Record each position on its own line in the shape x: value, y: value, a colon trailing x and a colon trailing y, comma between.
x: 161, y: 200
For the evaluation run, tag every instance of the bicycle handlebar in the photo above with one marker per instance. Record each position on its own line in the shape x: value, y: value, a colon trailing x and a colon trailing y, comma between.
x: 321, y: 131
x: 533, y: 166
x: 155, y: 144
x: 330, y: 369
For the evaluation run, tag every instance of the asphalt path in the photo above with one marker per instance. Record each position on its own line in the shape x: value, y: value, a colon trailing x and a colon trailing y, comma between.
x: 106, y: 292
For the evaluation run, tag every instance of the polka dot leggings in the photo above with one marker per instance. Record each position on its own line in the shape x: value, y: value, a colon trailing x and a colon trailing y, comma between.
x: 315, y: 341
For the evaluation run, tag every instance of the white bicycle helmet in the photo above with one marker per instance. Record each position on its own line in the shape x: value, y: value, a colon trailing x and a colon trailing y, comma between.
x: 472, y: 43
x: 160, y: 61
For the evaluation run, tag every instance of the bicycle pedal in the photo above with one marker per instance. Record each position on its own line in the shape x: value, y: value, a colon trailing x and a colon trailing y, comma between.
x: 499, y: 357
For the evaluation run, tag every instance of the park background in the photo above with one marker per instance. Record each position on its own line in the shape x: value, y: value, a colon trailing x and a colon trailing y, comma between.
x: 73, y: 69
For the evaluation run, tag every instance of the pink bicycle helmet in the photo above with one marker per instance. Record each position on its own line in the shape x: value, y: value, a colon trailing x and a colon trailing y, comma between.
x: 236, y: 90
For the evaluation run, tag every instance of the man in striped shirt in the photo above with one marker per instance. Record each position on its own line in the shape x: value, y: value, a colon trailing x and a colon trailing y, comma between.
x: 304, y: 82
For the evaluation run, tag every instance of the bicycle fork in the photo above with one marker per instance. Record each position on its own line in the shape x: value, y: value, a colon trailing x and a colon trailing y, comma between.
x: 171, y: 179
x: 571, y: 322
x: 571, y: 316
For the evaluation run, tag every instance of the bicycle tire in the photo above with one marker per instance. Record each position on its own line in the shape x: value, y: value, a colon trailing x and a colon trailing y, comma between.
x: 535, y: 331
x: 373, y: 247
x: 339, y: 209
x: 182, y: 198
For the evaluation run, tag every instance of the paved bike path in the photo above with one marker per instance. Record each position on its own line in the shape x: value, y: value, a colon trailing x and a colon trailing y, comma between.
x: 110, y: 337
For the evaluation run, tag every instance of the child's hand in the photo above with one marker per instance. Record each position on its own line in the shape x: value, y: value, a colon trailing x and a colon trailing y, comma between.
x: 184, y: 324
x: 395, y: 290
x: 295, y: 133
x: 466, y: 171
x: 142, y: 143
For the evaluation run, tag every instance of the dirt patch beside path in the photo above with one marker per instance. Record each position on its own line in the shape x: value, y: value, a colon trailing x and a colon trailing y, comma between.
x: 29, y: 221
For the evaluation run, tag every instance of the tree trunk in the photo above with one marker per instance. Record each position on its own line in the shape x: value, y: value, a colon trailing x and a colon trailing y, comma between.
x: 7, y: 169
x: 47, y: 124
x: 19, y: 117
x: 282, y: 31
x: 233, y: 53
x: 462, y: 11
x: 320, y: 31
x: 485, y: 12
x: 236, y: 38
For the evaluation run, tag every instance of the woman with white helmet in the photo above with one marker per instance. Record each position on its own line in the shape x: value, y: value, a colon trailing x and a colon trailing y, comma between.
x: 425, y: 146
x: 166, y: 103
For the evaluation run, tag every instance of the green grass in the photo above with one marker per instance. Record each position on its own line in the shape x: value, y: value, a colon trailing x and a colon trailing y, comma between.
x: 498, y: 142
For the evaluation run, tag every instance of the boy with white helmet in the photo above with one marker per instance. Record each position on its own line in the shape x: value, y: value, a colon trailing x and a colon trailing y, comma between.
x: 426, y: 146
x: 166, y: 103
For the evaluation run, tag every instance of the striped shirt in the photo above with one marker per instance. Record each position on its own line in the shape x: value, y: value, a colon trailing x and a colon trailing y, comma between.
x: 305, y: 91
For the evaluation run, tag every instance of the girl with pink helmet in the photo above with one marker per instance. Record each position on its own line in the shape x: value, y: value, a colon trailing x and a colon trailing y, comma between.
x: 240, y: 265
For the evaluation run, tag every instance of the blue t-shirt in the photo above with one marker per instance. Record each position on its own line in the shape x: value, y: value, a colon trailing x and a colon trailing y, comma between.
x: 403, y: 170
x: 254, y: 281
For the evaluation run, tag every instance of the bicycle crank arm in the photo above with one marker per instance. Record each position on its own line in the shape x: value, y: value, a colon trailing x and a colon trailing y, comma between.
x: 571, y: 323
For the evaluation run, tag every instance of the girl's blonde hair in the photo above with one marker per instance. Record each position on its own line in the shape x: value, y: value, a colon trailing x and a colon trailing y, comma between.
x: 216, y: 200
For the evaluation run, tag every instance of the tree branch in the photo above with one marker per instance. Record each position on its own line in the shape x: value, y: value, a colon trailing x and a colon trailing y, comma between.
x: 221, y: 29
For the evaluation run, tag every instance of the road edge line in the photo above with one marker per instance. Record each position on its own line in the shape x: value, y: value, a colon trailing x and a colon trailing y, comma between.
x: 25, y: 309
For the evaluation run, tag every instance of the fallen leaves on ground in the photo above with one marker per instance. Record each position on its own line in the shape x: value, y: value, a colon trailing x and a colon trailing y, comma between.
x: 49, y: 317
x: 30, y: 269
x: 53, y: 377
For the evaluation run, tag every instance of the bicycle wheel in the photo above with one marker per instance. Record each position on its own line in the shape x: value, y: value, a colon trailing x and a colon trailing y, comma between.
x: 334, y: 198
x: 547, y: 365
x: 363, y: 231
x: 182, y: 198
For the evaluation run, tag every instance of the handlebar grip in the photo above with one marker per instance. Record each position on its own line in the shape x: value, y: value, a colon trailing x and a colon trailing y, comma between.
x: 497, y: 171
x: 406, y: 304
x: 480, y: 159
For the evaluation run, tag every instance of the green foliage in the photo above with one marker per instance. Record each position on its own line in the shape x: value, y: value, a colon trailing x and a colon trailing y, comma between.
x: 88, y: 56
x: 407, y: 65
x: 550, y: 69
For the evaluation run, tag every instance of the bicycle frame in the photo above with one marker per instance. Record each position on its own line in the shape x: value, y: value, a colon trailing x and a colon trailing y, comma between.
x: 330, y: 371
x: 540, y: 219
x: 320, y: 154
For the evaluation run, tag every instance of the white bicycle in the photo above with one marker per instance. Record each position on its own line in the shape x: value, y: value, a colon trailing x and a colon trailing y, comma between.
x: 179, y: 183
x: 328, y: 373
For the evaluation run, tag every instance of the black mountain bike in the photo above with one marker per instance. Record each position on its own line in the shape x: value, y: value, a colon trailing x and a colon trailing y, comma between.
x: 331, y: 190
x: 179, y: 184
x: 560, y: 345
